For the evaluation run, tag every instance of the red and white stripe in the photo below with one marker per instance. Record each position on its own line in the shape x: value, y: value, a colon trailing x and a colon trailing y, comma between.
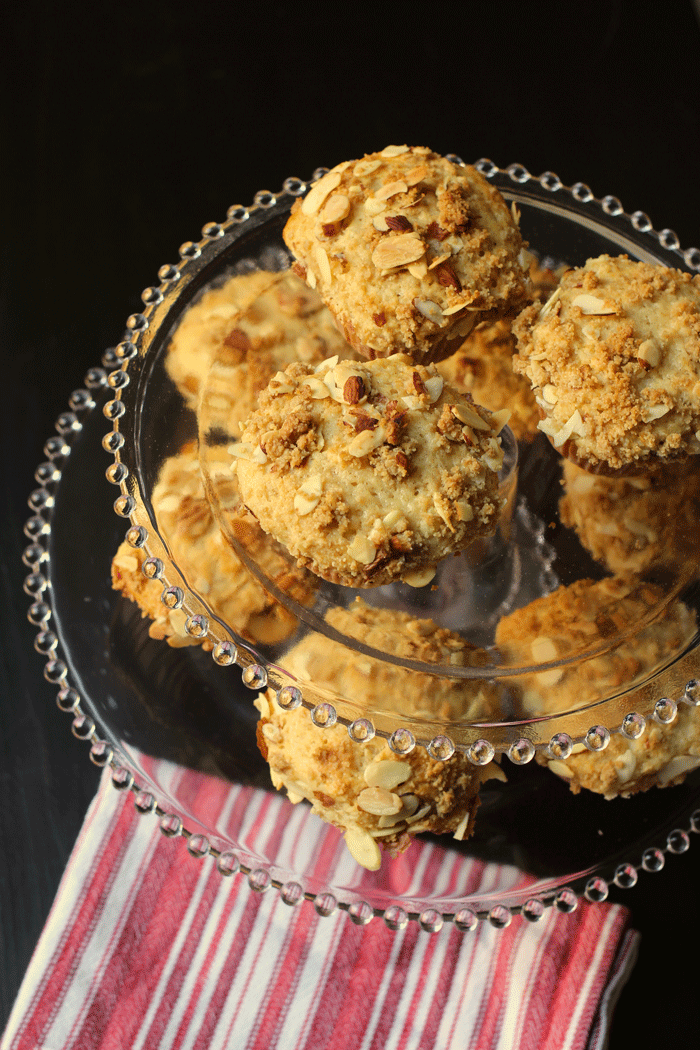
x: 148, y: 948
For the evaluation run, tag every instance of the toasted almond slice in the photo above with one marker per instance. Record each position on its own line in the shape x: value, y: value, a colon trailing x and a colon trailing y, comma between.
x: 543, y: 650
x: 450, y: 310
x: 678, y: 765
x: 439, y: 259
x: 335, y: 209
x: 323, y: 263
x: 313, y: 486
x: 250, y: 453
x: 392, y: 518
x: 330, y: 362
x: 362, y: 550
x: 416, y: 175
x: 419, y: 269
x: 389, y: 830
x: 363, y: 848
x: 393, y: 151
x: 310, y: 278
x: 649, y: 353
x: 380, y: 223
x: 280, y: 384
x: 655, y: 412
x: 271, y: 732
x: 319, y: 191
x: 469, y: 417
x: 461, y: 829
x: 499, y: 419
x: 420, y: 577
x: 434, y: 385
x: 366, y: 441
x: 390, y: 189
x: 592, y: 305
x: 386, y: 773
x: 549, y: 306
x: 430, y: 310
x: 549, y: 393
x: 304, y: 505
x: 317, y: 388
x: 379, y: 802
x: 465, y: 511
x: 374, y: 207
x: 561, y: 769
x: 400, y: 250
x: 366, y: 167
x: 420, y: 813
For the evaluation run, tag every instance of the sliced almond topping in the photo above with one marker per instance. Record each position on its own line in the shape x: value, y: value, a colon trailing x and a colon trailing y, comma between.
x: 420, y: 813
x: 419, y: 270
x: 430, y: 310
x: 400, y: 250
x: 374, y: 207
x: 449, y: 310
x: 317, y: 387
x: 461, y: 829
x: 379, y: 802
x: 363, y: 848
x: 386, y: 773
x: 366, y: 167
x: 543, y: 650
x: 390, y: 189
x: 392, y: 518
x: 305, y: 504
x: 499, y: 419
x: 362, y: 550
x: 592, y: 305
x: 549, y: 305
x: 271, y: 732
x: 573, y: 425
x: 464, y: 510
x: 649, y: 353
x: 433, y: 386
x: 677, y: 766
x: 391, y: 829
x: 394, y: 151
x: 469, y: 417
x: 319, y: 191
x: 313, y: 486
x: 310, y: 278
x: 330, y: 362
x: 515, y: 212
x: 250, y: 453
x: 420, y: 577
x: 549, y: 393
x: 280, y: 384
x: 366, y: 441
x: 561, y: 769
x: 380, y: 223
x: 655, y: 412
x: 493, y: 457
x: 415, y: 175
x: 440, y: 259
x: 263, y: 705
x: 335, y: 209
x: 323, y: 262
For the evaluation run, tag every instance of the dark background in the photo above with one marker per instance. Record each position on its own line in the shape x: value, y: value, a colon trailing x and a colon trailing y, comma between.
x: 128, y: 126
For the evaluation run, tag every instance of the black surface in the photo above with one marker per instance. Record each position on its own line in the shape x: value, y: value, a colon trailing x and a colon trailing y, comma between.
x: 129, y: 126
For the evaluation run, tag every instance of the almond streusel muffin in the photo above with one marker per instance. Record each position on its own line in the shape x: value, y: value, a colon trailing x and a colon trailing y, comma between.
x: 614, y: 360
x: 253, y: 325
x: 377, y: 797
x: 483, y: 365
x: 408, y: 250
x: 209, y: 562
x: 370, y: 472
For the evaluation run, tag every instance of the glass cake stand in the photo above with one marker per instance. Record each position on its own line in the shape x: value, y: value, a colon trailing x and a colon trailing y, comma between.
x: 144, y: 705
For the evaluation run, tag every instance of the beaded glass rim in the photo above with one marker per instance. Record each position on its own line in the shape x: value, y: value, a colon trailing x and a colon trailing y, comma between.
x: 36, y: 558
x: 227, y: 648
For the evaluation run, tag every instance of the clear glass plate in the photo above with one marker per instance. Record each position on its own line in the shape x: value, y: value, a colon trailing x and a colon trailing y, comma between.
x: 149, y: 699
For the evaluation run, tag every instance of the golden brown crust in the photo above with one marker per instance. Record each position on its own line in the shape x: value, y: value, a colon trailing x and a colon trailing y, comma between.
x: 369, y: 472
x: 408, y: 250
x: 614, y: 360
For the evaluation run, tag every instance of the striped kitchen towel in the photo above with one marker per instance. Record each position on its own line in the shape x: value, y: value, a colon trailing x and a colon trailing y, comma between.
x: 147, y: 946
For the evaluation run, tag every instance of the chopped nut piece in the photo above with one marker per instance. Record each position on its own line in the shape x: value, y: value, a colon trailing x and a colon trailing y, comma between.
x: 430, y: 310
x: 362, y: 550
x: 354, y: 390
x: 399, y: 223
x: 420, y: 578
x: 363, y: 848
